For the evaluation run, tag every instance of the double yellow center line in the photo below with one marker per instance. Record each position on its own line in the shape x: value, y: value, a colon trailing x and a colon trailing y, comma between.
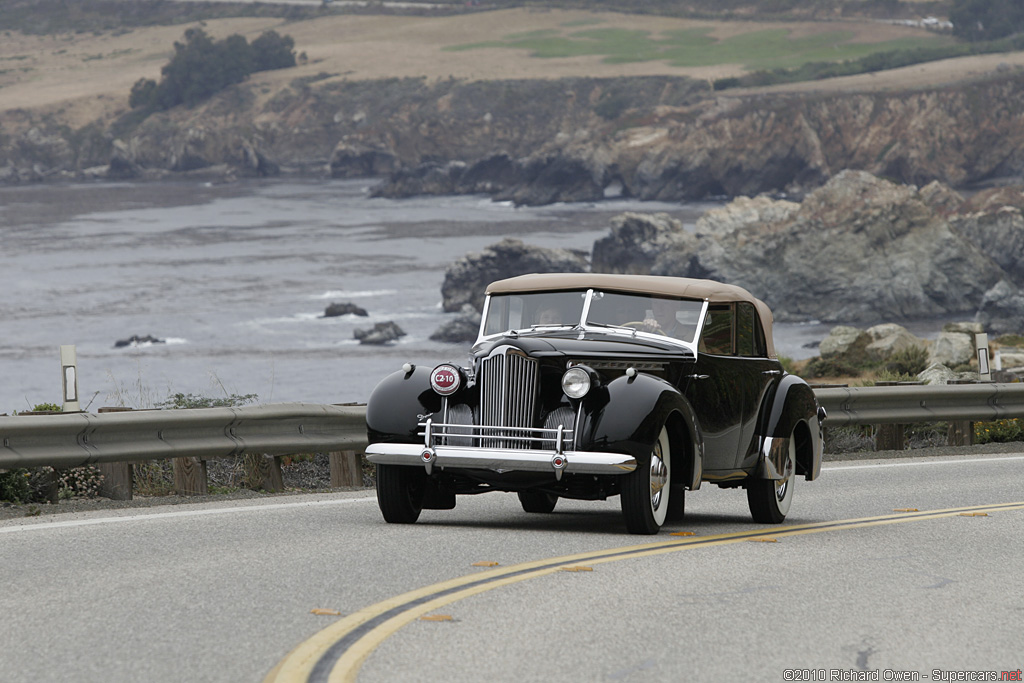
x: 336, y: 653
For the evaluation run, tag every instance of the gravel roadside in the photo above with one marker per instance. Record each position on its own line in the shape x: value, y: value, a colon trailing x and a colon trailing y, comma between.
x: 312, y: 479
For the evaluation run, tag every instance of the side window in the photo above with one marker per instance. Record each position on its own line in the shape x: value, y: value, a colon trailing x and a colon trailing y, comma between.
x: 749, y: 335
x: 718, y: 330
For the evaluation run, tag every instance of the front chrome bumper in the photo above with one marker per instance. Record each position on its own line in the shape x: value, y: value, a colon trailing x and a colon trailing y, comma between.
x: 468, y: 457
x: 491, y: 448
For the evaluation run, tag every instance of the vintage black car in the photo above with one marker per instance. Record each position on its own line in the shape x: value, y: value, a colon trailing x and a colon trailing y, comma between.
x: 588, y: 386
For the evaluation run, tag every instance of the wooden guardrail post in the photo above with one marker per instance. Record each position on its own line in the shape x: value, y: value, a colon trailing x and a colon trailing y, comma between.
x: 890, y: 437
x: 190, y: 477
x: 117, y: 476
x: 960, y: 433
x: 266, y: 470
x: 346, y: 468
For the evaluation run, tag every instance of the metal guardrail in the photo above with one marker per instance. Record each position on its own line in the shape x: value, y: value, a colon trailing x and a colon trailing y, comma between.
x: 924, y: 403
x: 75, y: 439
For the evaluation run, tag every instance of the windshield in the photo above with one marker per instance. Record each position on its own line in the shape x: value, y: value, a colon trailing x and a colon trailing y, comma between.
x: 675, y: 318
x: 523, y: 311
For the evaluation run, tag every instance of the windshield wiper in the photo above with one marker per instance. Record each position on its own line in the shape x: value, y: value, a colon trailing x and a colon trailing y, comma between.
x: 546, y: 326
x: 591, y: 323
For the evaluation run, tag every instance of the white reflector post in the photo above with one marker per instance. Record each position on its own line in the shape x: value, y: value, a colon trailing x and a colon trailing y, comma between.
x: 69, y: 374
x: 981, y: 343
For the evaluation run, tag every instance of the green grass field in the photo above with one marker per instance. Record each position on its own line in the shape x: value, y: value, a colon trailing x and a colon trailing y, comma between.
x: 759, y: 49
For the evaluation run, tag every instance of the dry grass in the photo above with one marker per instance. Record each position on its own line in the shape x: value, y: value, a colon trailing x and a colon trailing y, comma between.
x: 96, y: 72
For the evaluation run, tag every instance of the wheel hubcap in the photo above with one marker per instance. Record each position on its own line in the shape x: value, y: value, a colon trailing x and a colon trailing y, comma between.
x: 659, y: 477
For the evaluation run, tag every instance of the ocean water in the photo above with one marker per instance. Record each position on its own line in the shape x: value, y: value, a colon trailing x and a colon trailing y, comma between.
x: 235, y: 279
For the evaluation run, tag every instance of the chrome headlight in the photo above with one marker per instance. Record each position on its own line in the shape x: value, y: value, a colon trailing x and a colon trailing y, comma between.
x: 576, y: 382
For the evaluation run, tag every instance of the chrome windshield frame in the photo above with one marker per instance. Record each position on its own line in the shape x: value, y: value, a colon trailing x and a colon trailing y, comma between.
x: 583, y: 327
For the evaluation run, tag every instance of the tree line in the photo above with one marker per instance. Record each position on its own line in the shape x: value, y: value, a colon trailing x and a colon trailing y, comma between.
x: 986, y: 19
x: 202, y: 66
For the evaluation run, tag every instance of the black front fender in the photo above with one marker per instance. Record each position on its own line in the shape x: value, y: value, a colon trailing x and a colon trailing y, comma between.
x: 627, y: 414
x: 394, y: 407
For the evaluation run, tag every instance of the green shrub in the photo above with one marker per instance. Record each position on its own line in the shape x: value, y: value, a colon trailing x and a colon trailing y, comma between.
x: 181, y: 401
x: 889, y: 376
x: 832, y: 366
x: 909, y: 361
x: 1016, y: 340
x: 15, y: 486
x: 202, y: 67
x: 1000, y: 431
x: 986, y: 19
x: 272, y: 51
x: 143, y: 93
x: 79, y: 482
x: 34, y: 485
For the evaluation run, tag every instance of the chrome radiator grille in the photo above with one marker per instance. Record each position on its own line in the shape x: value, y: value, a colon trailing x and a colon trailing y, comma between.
x: 508, y: 396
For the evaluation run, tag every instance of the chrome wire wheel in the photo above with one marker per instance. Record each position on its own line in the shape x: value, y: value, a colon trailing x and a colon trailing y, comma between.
x: 660, y: 478
x: 770, y: 500
x: 646, y: 491
x: 784, y: 486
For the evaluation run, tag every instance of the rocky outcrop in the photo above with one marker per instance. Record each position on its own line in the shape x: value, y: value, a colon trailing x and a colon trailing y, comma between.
x: 541, y: 141
x: 998, y: 230
x: 858, y: 250
x: 466, y: 280
x: 428, y: 178
x: 1002, y: 309
x: 952, y: 349
x: 361, y: 161
x: 530, y: 182
x: 840, y: 340
x: 381, y: 333
x: 635, y: 242
x: 937, y: 373
x: 877, y: 343
x: 462, y: 329
x: 743, y: 212
x: 888, y: 339
x: 334, y: 310
x: 136, y: 340
x: 739, y: 145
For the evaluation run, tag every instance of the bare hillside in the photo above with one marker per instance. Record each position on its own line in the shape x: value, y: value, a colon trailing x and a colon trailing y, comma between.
x: 88, y: 75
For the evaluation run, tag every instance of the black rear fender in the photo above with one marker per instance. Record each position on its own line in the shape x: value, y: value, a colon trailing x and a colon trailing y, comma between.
x: 792, y: 410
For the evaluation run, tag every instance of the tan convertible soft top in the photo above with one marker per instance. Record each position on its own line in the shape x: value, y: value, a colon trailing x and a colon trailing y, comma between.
x: 678, y: 287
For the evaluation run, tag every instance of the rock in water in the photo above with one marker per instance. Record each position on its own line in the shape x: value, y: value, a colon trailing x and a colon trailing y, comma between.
x: 381, y: 333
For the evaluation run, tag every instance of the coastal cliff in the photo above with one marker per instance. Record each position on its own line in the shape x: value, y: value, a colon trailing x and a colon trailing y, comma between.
x: 543, y: 141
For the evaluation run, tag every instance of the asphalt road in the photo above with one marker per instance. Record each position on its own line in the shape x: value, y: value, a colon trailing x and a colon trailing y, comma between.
x: 224, y: 591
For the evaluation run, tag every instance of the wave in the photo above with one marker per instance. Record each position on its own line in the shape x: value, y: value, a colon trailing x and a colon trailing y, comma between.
x: 341, y: 293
